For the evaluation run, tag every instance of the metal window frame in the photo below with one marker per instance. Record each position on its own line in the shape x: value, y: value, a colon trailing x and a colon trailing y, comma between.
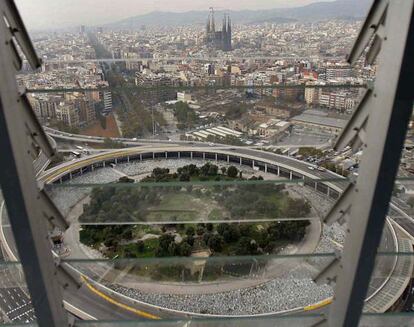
x: 19, y: 135
x: 386, y: 128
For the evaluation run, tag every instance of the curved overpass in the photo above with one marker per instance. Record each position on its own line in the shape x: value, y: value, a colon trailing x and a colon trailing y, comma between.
x: 67, y: 137
x: 267, y: 162
x: 322, y: 181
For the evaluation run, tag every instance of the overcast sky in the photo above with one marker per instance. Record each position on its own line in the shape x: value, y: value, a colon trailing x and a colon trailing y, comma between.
x: 43, y: 14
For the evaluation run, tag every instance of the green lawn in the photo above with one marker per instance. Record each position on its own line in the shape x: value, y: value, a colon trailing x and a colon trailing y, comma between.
x: 182, y: 206
x: 149, y: 249
x: 216, y: 214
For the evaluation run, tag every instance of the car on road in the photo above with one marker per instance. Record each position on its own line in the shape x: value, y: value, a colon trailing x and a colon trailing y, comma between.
x: 311, y: 168
x: 321, y: 169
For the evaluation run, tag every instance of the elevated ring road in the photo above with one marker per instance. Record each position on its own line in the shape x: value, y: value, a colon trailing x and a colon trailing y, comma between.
x: 269, y: 162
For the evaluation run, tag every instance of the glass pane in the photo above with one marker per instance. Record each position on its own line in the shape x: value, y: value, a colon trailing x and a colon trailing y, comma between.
x: 371, y: 320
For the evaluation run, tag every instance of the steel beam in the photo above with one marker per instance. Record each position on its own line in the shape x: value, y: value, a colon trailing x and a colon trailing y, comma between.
x: 19, y: 185
x: 385, y: 136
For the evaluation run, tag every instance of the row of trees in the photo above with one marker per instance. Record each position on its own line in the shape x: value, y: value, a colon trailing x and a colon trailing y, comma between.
x: 264, y: 200
x: 186, y: 116
x: 310, y: 152
x: 112, y: 144
x: 138, y: 122
x: 184, y: 174
x: 220, y: 239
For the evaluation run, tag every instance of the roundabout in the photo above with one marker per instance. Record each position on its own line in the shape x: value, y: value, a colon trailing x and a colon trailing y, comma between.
x: 325, y: 187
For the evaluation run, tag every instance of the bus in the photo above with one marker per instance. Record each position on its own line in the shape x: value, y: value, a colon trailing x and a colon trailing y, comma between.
x: 76, y: 154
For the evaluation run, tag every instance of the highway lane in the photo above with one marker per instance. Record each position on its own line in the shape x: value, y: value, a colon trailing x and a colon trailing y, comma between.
x: 14, y: 302
x: 132, y: 142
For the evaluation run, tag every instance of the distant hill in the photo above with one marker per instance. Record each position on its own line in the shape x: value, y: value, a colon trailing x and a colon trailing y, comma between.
x: 336, y: 9
x: 349, y: 9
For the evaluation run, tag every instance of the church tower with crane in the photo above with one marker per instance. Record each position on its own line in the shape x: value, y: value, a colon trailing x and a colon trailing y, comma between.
x: 220, y: 40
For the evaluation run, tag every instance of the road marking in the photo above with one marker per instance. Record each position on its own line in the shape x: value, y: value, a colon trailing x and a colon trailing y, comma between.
x: 119, y: 304
x: 318, y: 305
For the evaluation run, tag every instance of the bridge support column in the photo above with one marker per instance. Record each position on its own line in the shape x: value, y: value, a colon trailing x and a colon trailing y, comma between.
x: 116, y: 161
x: 140, y: 157
x: 265, y: 167
x: 166, y: 155
x: 92, y: 167
x: 241, y: 161
x: 228, y: 158
x: 128, y: 159
x: 153, y: 156
x: 216, y: 156
x: 253, y: 164
x: 179, y: 155
x: 278, y: 171
x: 204, y: 156
x: 328, y: 193
x: 70, y: 176
x: 191, y: 155
x: 103, y: 164
x: 81, y: 171
x: 316, y: 186
x: 290, y: 175
x: 60, y: 180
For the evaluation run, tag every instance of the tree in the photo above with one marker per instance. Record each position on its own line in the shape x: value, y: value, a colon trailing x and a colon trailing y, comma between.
x: 223, y: 170
x: 297, y: 208
x: 109, y: 143
x: 246, y: 246
x: 221, y: 228
x: 204, y: 170
x: 140, y: 246
x: 210, y: 227
x: 216, y: 243
x: 166, y: 246
x: 232, y: 172
x: 213, y: 170
x: 200, y: 230
x: 207, y: 236
x: 185, y: 115
x: 190, y: 231
x: 246, y: 229
x: 184, y: 178
x: 190, y: 240
x: 232, y: 234
x: 125, y: 179
x: 185, y: 249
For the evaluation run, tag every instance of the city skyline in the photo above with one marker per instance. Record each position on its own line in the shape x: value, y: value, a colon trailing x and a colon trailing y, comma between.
x: 66, y: 14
